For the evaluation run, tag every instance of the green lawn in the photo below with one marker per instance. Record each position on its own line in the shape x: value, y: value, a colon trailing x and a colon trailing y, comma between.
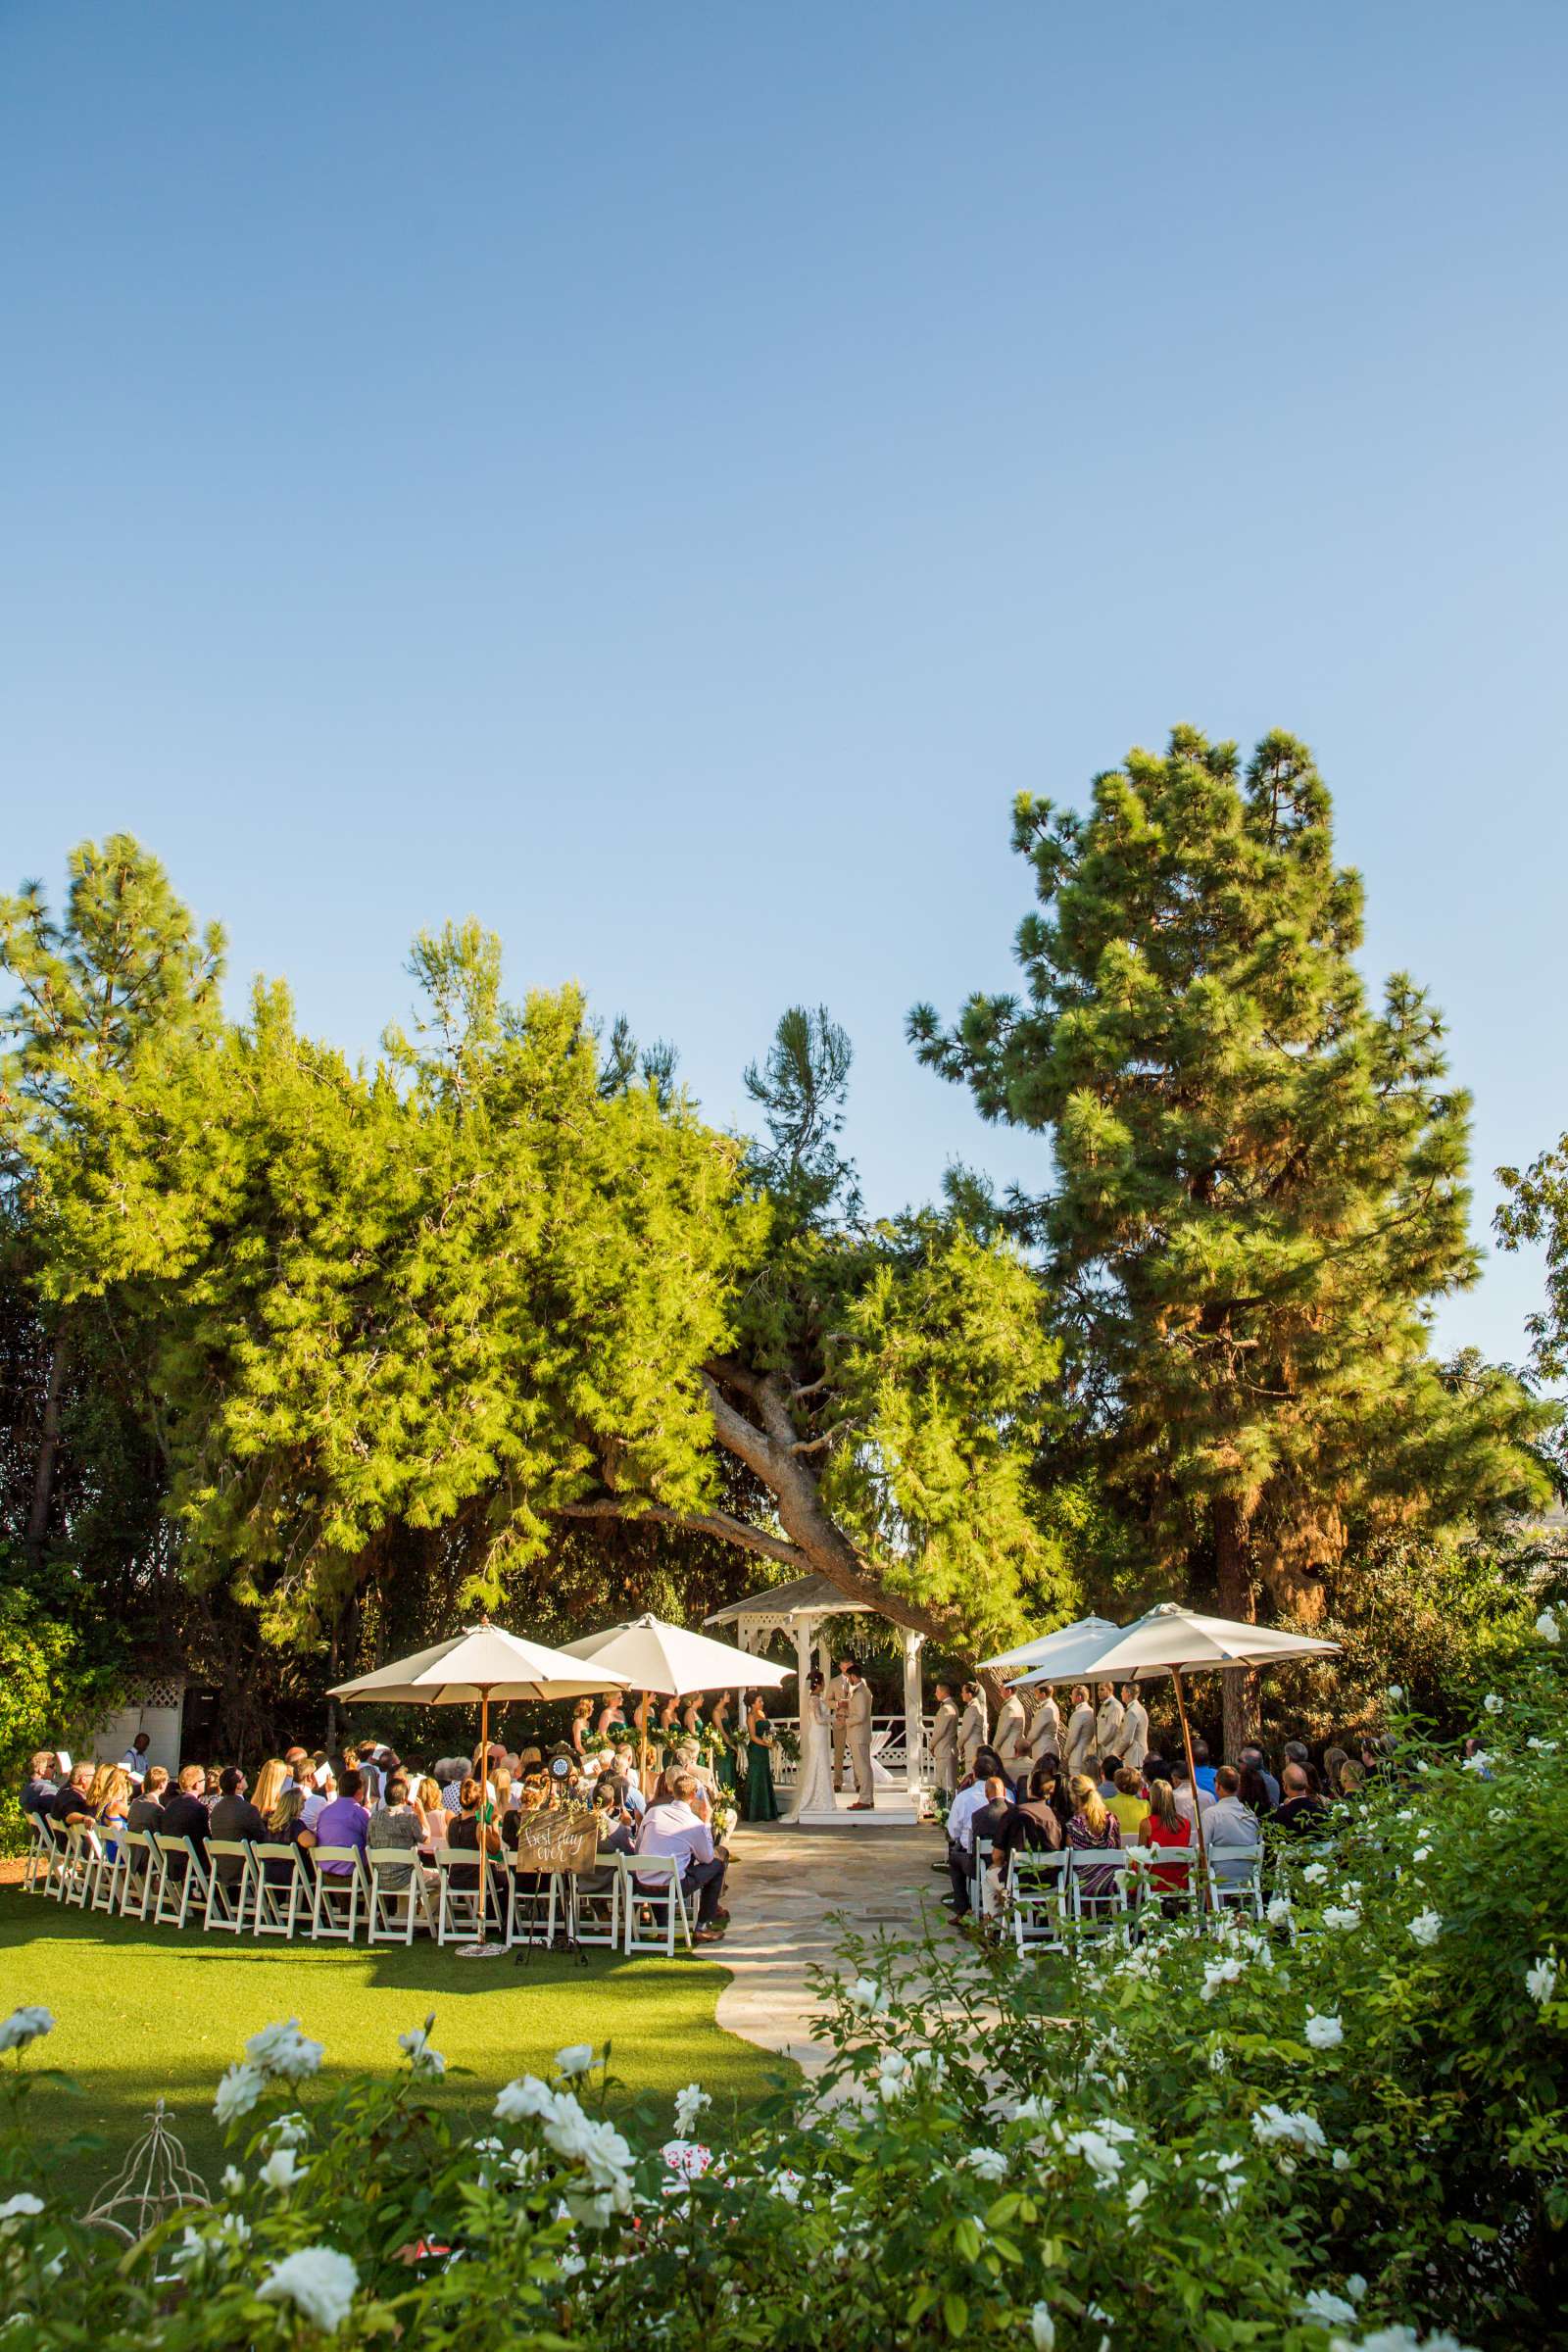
x: 141, y: 2011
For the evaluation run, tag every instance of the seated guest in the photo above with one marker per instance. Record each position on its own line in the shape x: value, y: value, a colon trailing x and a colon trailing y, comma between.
x: 673, y: 1827
x: 285, y: 1826
x: 270, y: 1782
x: 185, y: 1812
x: 146, y: 1811
x: 344, y: 1822
x: 1187, y: 1797
x: 1352, y: 1777
x: 626, y: 1774
x: 1230, y: 1823
x: 1093, y: 1825
x: 1109, y: 1766
x: 73, y: 1806
x: 1164, y: 1823
x: 1253, y: 1758
x: 210, y: 1788
x: 976, y: 1858
x: 234, y: 1818
x: 1333, y: 1758
x: 1202, y: 1770
x: 111, y: 1805
x: 42, y: 1784
x: 469, y: 1834
x: 1129, y: 1803
x: 295, y: 1763
x: 320, y: 1792
x: 433, y: 1816
x: 1034, y: 1825
x: 395, y: 1822
x: 1300, y: 1814
x: 1256, y: 1787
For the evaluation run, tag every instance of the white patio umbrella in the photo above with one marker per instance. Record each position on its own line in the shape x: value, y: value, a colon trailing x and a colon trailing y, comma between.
x: 1176, y: 1640
x: 1054, y: 1657
x: 651, y: 1655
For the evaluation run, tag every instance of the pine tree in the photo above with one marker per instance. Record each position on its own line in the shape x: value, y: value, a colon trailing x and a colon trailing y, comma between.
x: 1259, y: 1180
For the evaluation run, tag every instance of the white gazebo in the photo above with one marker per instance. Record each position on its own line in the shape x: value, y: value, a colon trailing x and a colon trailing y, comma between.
x: 797, y: 1610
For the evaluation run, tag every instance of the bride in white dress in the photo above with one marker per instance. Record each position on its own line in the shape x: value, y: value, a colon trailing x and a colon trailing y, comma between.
x: 814, y: 1791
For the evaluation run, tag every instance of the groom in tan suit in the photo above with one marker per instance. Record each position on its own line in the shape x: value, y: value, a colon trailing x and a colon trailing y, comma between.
x: 838, y: 1707
x: 858, y: 1731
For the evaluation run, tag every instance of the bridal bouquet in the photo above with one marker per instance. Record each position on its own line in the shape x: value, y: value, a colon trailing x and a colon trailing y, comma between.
x: 724, y: 1819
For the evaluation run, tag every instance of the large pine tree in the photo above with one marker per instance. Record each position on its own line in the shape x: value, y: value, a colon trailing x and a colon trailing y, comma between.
x: 1259, y: 1179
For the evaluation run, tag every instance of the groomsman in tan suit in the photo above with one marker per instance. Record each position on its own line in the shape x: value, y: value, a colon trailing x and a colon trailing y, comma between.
x: 1011, y: 1734
x: 1134, y: 1727
x: 972, y: 1724
x: 1044, y: 1732
x: 1080, y: 1737
x: 859, y: 1735
x: 838, y: 1707
x: 945, y: 1741
x: 1107, y: 1722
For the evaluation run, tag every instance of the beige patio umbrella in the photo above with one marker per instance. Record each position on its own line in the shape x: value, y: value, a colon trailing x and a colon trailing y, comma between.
x: 1176, y: 1640
x: 651, y: 1655
x: 1055, y: 1658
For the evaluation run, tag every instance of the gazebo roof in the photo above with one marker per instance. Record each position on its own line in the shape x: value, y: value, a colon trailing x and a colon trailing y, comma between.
x: 801, y: 1596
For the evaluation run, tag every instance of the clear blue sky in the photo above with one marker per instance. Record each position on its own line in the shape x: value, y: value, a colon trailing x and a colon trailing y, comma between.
x: 661, y: 479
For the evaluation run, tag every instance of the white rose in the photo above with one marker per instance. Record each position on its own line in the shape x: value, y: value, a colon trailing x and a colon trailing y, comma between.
x: 1547, y: 1628
x: 1540, y: 1981
x: 281, y: 2171
x: 284, y: 2051
x: 23, y: 2026
x: 1324, y: 2032
x: 20, y: 2208
x: 576, y: 2059
x: 866, y: 1993
x: 1426, y: 1928
x: 237, y: 2093
x: 526, y: 2099
x: 1329, y: 2310
x: 318, y: 2281
x: 1492, y: 1704
x: 1041, y: 2329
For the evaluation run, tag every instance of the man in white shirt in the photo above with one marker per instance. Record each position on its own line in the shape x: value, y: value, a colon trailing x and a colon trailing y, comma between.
x: 320, y: 1795
x: 1181, y: 1790
x: 969, y: 1805
x: 1134, y: 1727
x: 1107, y: 1722
x: 133, y: 1763
x: 1080, y: 1736
x: 675, y: 1829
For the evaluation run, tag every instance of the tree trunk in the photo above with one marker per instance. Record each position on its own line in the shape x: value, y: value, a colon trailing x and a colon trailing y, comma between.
x: 1237, y: 1600
x: 45, y: 1472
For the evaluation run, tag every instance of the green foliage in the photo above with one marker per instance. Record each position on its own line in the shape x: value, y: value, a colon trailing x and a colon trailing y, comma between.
x: 1260, y: 1181
x: 1535, y: 1212
x: 59, y: 1675
x: 1290, y: 2134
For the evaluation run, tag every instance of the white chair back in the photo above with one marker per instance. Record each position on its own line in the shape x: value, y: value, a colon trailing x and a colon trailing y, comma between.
x: 84, y: 1851
x: 144, y: 1872
x: 40, y: 1852
x: 400, y: 1897
x: 281, y: 1896
x: 652, y: 1902
x: 1038, y: 1899
x: 1100, y: 1904
x: 183, y: 1881
x: 229, y: 1898
x: 339, y: 1895
x: 106, y: 1873
x: 1236, y: 1879
x: 461, y: 1909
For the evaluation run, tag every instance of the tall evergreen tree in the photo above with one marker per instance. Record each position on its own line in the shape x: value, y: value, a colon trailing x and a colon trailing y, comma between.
x: 1259, y: 1180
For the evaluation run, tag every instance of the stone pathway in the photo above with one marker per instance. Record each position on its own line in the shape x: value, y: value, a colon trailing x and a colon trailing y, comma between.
x: 785, y: 1890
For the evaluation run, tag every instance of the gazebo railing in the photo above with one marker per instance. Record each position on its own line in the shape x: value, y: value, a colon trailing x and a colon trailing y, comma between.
x: 892, y: 1751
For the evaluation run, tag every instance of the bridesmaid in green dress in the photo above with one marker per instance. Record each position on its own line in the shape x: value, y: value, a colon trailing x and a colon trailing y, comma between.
x: 718, y: 1724
x: 760, y: 1802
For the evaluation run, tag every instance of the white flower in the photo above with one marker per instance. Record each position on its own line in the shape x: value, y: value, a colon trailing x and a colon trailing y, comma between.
x: 1032, y: 2109
x: 237, y: 2093
x: 576, y: 2059
x: 20, y: 2208
x: 1331, y: 2311
x: 866, y: 1993
x: 1543, y: 1747
x: 1540, y: 1981
x: 1492, y: 1704
x: 1342, y: 2160
x: 788, y: 2185
x: 233, y: 2182
x: 318, y: 2281
x: 1400, y: 2338
x: 1355, y: 2287
x: 1219, y: 1972
x: 1547, y: 1628
x: 1480, y: 1762
x: 23, y: 2026
x: 891, y: 2074
x: 1097, y: 2151
x: 423, y: 2059
x: 288, y: 2131
x: 284, y: 2051
x: 989, y: 2163
x: 526, y: 2098
x: 1315, y: 1873
x: 1396, y: 1692
x: 1324, y: 2032
x: 689, y: 2105
x: 1426, y: 1928
x: 1279, y: 1911
x: 1274, y: 2125
x: 1137, y: 2197
x: 1342, y: 1915
x: 281, y: 2171
x: 687, y: 2157
x: 1041, y: 2329
x: 1423, y: 1854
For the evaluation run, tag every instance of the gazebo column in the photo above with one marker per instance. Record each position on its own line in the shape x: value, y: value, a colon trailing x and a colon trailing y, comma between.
x: 805, y: 1626
x: 913, y: 1713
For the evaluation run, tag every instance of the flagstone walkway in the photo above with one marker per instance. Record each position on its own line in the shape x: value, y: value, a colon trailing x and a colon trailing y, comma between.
x: 793, y: 1893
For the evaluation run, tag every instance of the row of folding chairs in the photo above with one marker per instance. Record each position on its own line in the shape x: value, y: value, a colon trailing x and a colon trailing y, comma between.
x: 335, y: 1890
x: 1055, y: 1901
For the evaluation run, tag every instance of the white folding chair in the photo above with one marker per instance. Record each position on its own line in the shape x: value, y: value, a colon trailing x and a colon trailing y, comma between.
x: 144, y: 1873
x: 652, y: 1900
x: 338, y: 1895
x: 56, y: 1877
x: 183, y: 1881
x: 1103, y: 1909
x: 598, y: 1910
x: 106, y: 1873
x: 281, y: 1897
x: 229, y: 1898
x: 83, y: 1849
x: 1236, y: 1879
x: 1038, y: 1899
x: 40, y: 1852
x: 400, y: 1898
x: 461, y: 1909
x: 531, y: 1898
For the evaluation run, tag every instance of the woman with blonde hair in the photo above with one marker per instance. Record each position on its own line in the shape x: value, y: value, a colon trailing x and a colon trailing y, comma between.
x: 1165, y: 1824
x: 581, y: 1715
x: 270, y: 1782
x: 108, y: 1801
x: 433, y: 1816
x: 285, y: 1826
x: 1092, y: 1826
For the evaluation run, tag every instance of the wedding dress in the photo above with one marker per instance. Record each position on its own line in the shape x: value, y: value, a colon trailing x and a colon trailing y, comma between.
x: 814, y: 1791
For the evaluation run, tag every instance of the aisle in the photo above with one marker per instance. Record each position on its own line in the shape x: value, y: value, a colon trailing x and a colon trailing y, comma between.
x: 786, y: 1887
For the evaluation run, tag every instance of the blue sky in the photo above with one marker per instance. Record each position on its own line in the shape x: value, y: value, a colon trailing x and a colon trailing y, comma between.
x: 661, y: 478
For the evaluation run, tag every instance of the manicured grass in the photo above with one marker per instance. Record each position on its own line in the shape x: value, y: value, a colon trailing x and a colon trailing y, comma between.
x: 142, y: 2011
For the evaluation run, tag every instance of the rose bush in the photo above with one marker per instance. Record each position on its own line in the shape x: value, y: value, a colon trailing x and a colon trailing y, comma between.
x: 1343, y: 2126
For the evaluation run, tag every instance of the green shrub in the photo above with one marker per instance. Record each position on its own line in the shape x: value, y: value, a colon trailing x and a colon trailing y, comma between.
x: 1346, y: 2126
x: 57, y: 1681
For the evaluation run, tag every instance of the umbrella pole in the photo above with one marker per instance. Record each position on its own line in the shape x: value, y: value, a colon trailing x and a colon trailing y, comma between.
x: 642, y: 1751
x: 1192, y: 1782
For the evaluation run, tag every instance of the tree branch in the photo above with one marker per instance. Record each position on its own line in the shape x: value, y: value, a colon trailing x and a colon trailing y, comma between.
x: 723, y: 1524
